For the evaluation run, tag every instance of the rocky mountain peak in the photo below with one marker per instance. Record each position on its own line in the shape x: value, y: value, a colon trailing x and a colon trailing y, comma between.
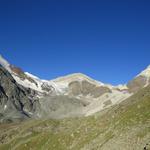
x: 65, y: 80
x: 74, y: 90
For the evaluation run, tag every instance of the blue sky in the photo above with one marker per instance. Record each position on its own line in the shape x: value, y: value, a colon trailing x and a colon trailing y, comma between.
x: 109, y: 40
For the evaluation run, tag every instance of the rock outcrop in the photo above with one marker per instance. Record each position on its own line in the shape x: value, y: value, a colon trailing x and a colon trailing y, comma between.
x: 86, y: 88
x: 16, y: 102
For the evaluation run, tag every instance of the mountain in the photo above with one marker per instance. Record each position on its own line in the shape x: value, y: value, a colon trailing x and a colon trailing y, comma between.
x: 71, y: 95
x: 72, y: 112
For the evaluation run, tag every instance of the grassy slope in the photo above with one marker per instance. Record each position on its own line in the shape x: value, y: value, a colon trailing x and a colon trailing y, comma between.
x: 123, y: 127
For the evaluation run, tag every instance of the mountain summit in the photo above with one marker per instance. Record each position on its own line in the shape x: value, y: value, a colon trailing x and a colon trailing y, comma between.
x: 72, y: 95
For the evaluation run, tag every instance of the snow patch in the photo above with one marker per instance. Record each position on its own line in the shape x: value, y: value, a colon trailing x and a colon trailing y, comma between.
x: 5, y: 107
x: 26, y: 83
x: 31, y: 75
x: 5, y: 63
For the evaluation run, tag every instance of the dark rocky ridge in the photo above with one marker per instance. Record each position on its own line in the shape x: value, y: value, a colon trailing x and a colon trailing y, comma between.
x: 16, y: 102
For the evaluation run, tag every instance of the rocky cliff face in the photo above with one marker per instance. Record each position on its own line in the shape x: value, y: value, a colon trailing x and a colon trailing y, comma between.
x: 86, y: 88
x: 16, y: 102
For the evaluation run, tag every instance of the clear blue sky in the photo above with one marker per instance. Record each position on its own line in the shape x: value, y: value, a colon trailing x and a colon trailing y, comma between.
x: 108, y: 40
